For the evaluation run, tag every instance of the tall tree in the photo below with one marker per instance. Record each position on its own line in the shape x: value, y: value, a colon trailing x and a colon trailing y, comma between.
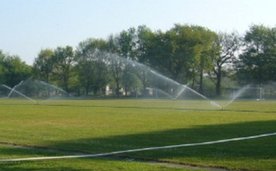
x: 258, y: 61
x: 117, y: 46
x: 63, y: 62
x: 131, y: 81
x: 43, y: 65
x: 145, y: 39
x: 183, y: 53
x: 92, y: 70
x: 226, y: 53
x: 126, y: 43
x: 14, y: 70
x: 144, y: 44
x: 2, y: 57
x: 205, y: 50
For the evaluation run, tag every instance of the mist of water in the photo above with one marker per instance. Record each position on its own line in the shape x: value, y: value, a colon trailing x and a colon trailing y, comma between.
x: 13, y: 89
x: 19, y: 93
x: 237, y: 95
x: 159, y: 93
x: 56, y: 88
x: 181, y: 91
x: 36, y: 89
x: 158, y: 81
x: 160, y: 85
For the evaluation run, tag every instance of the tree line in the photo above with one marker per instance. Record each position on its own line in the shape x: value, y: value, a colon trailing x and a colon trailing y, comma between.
x: 188, y: 54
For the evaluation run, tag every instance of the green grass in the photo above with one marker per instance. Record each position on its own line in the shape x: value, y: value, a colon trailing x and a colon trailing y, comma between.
x: 96, y: 126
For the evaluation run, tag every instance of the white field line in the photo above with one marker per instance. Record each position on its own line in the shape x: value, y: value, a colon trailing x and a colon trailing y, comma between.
x: 138, y: 150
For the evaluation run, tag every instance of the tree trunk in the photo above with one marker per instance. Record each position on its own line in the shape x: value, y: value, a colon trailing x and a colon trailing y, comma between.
x: 126, y: 90
x: 117, y: 88
x: 87, y: 89
x: 201, y: 81
x: 218, y: 83
x: 144, y: 83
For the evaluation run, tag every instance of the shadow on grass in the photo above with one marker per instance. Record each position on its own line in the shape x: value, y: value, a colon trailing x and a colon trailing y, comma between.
x: 251, y: 150
x: 180, y: 136
x: 247, y: 150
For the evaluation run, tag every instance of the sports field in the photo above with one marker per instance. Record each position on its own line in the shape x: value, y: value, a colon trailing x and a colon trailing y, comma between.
x: 69, y: 127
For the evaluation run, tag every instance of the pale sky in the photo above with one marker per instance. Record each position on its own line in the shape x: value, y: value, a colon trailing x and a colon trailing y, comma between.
x: 27, y: 26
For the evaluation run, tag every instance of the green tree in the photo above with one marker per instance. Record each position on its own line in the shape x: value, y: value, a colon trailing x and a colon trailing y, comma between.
x: 204, y: 50
x: 43, y: 65
x: 144, y: 46
x: 183, y: 53
x: 116, y: 67
x: 226, y: 53
x: 131, y: 82
x: 14, y: 70
x: 92, y: 70
x: 258, y: 61
x: 63, y: 63
x: 2, y: 57
x: 126, y: 43
x: 115, y: 62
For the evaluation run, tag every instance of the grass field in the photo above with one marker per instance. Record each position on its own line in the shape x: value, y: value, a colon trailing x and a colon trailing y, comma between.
x: 53, y: 128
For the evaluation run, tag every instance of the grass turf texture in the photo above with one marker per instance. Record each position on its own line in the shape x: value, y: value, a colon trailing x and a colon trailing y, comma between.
x: 96, y: 126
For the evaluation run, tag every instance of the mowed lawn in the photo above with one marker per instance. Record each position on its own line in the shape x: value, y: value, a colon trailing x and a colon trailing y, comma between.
x: 51, y: 128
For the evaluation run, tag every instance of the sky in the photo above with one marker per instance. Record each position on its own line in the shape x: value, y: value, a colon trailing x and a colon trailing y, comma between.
x: 27, y: 26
